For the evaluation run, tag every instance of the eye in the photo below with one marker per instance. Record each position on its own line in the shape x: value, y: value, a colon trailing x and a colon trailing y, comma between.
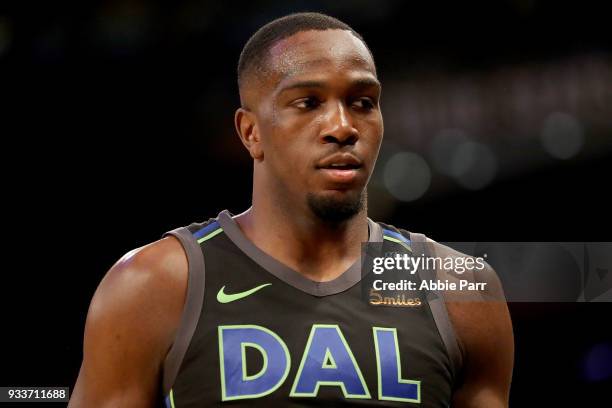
x: 307, y: 103
x: 364, y: 103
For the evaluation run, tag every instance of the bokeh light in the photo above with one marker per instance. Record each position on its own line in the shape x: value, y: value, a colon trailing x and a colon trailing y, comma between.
x: 562, y: 135
x: 407, y: 176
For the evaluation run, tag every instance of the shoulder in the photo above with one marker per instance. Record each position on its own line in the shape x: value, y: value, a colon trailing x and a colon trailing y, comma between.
x: 483, y: 328
x: 156, y: 268
x: 478, y: 298
x: 131, y: 324
x: 448, y: 264
x: 479, y: 318
x: 458, y: 266
x: 147, y: 285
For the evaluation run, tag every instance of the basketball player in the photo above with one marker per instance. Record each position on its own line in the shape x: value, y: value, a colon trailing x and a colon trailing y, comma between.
x: 265, y: 308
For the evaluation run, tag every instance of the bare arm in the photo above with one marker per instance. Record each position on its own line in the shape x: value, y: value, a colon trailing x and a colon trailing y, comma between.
x: 131, y: 324
x: 484, y: 330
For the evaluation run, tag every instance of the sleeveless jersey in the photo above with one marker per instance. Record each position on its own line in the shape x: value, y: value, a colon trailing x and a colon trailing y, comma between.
x: 255, y: 332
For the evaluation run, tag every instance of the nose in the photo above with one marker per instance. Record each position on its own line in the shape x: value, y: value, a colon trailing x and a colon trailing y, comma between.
x: 338, y: 127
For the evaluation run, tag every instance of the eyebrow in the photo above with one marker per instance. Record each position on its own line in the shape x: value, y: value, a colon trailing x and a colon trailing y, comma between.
x: 358, y: 83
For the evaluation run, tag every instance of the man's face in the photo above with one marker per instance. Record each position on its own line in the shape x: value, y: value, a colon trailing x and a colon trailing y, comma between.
x: 320, y: 123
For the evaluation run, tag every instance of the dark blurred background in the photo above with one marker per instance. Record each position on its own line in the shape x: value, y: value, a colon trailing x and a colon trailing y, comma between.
x: 117, y: 125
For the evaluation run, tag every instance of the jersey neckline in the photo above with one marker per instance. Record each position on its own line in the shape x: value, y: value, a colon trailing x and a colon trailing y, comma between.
x: 346, y: 280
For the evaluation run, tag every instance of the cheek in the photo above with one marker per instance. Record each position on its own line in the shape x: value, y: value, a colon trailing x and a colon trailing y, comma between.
x: 289, y: 147
x: 287, y: 154
x: 374, y: 133
x: 291, y: 137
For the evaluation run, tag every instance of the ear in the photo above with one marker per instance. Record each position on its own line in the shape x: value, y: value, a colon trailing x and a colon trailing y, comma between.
x: 246, y: 126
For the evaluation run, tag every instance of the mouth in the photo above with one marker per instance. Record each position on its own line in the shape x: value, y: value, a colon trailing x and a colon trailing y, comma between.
x: 341, y: 168
x: 342, y: 176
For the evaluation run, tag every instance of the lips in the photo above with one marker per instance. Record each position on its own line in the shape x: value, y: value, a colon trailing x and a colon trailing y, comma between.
x: 341, y: 168
x: 340, y: 161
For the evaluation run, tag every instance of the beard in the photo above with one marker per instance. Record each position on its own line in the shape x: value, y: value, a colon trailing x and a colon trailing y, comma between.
x: 336, y: 210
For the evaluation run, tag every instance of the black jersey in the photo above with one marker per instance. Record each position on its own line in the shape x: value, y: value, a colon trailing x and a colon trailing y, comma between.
x: 254, y: 332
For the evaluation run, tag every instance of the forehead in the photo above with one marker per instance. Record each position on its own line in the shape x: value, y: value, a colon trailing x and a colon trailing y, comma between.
x: 315, y: 51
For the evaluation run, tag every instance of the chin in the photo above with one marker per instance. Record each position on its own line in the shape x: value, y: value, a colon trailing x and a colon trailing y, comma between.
x: 336, y: 206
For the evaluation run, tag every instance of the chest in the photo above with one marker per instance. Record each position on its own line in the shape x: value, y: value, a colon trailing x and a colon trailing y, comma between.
x: 261, y: 341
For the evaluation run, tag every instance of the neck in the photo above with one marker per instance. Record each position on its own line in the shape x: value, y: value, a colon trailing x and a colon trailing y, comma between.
x: 318, y: 249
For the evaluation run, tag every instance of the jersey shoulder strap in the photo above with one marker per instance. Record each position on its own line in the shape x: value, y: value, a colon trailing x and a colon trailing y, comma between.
x: 191, y: 239
x: 421, y: 245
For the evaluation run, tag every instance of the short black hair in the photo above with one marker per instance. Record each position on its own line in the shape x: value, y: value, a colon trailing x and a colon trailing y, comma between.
x: 254, y: 53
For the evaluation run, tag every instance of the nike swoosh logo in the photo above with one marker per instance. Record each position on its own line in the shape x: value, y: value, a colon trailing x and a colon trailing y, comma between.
x: 223, y: 297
